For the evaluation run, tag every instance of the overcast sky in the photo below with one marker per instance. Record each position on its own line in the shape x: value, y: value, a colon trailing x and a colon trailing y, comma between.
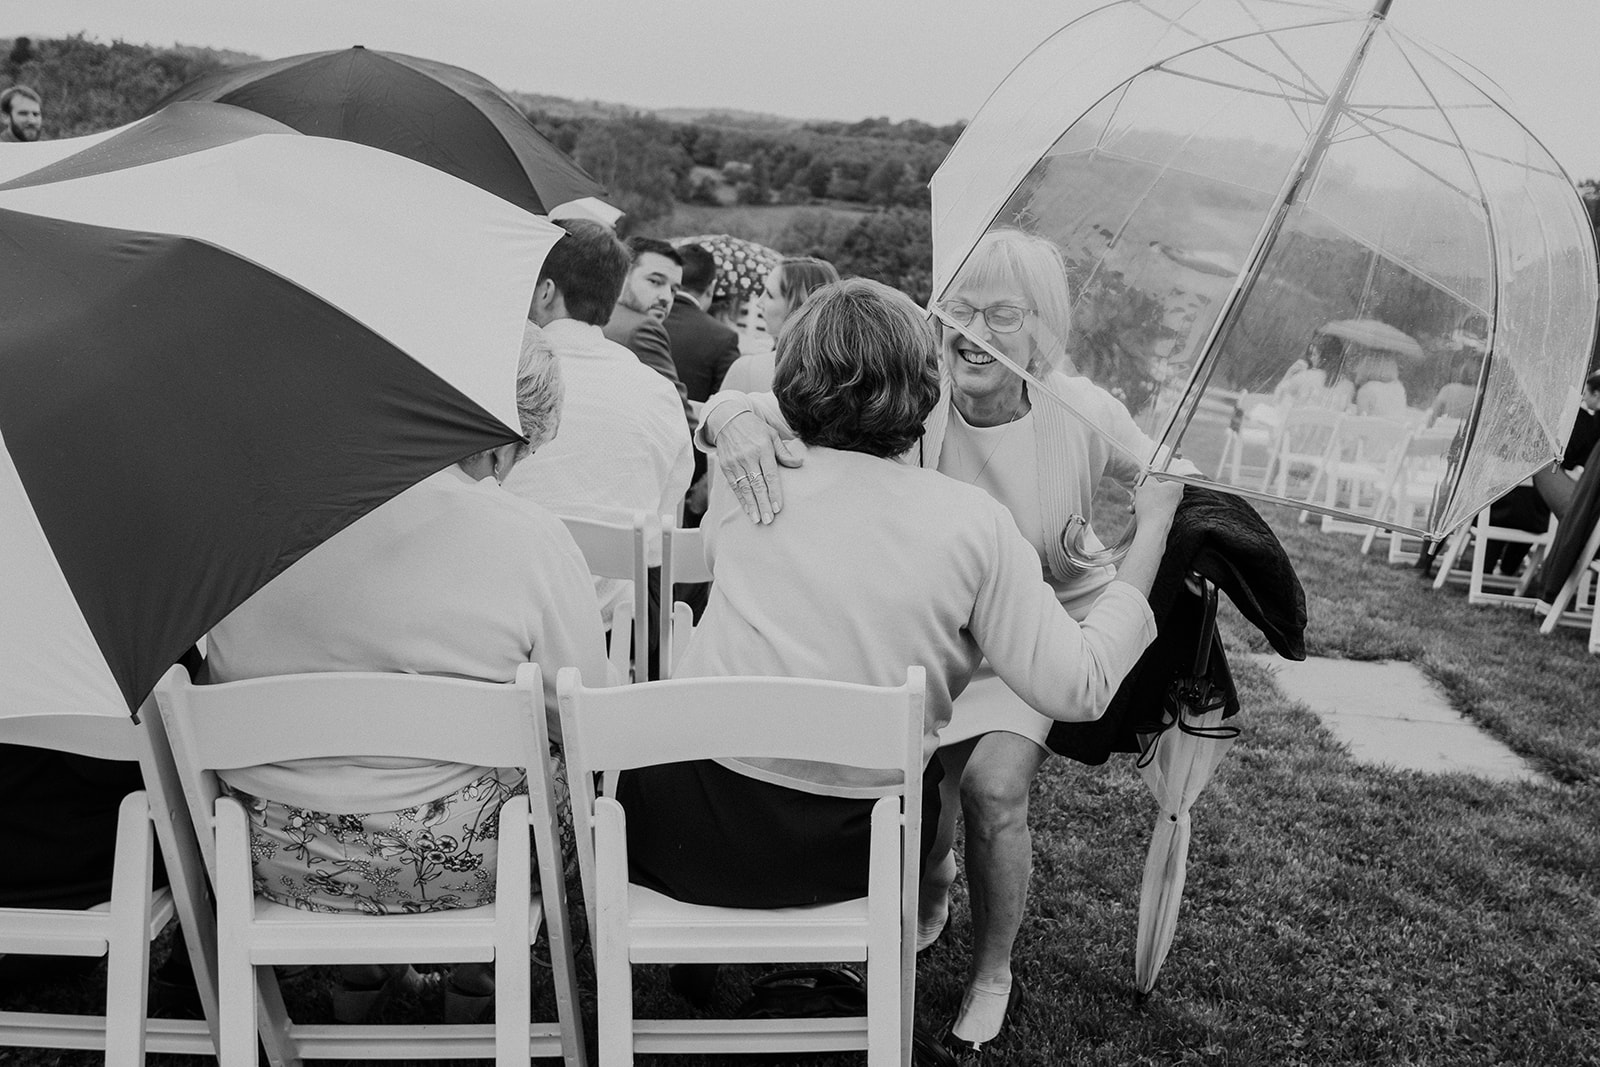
x: 934, y: 60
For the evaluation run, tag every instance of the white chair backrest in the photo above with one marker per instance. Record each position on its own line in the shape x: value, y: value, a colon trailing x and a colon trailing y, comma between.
x: 710, y: 718
x: 683, y: 559
x: 111, y: 737
x: 305, y: 716
x: 1308, y: 430
x: 1370, y: 438
x: 609, y: 730
x: 622, y: 551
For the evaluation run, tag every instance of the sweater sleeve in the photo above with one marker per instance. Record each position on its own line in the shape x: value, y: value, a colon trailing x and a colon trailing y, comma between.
x: 1062, y: 669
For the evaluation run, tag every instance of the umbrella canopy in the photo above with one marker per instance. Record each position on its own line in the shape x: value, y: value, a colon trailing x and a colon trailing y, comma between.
x: 225, y: 342
x: 1343, y: 170
x: 1370, y: 333
x: 742, y: 266
x: 431, y: 112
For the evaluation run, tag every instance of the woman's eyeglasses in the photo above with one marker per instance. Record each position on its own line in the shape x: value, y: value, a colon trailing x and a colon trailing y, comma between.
x: 1000, y: 318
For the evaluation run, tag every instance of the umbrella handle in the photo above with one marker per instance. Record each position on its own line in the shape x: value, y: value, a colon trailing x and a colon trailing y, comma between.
x: 1080, y: 555
x: 1208, y: 624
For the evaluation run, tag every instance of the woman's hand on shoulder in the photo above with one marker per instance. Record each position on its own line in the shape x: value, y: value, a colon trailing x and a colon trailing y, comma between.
x: 750, y: 454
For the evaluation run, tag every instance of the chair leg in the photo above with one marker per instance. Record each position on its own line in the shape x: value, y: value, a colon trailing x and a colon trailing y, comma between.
x: 236, y: 979
x: 128, y: 947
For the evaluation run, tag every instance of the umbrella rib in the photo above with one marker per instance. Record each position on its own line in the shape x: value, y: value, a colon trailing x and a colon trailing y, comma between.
x: 1377, y: 115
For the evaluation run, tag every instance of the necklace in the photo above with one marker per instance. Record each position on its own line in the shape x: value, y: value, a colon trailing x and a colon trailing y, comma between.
x: 1017, y: 413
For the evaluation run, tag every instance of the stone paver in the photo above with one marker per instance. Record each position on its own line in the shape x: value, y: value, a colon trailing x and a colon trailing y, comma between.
x: 1391, y: 713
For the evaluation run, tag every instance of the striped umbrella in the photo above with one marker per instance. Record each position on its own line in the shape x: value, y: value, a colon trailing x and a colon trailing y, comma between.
x: 221, y: 343
x: 428, y: 111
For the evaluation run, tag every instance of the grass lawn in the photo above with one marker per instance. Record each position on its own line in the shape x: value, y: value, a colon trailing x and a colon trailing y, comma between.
x: 1335, y: 913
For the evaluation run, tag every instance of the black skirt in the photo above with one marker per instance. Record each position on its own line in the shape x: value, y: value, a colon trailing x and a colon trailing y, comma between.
x: 703, y: 834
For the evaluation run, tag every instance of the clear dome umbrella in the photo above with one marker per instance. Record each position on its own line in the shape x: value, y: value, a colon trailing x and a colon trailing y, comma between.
x: 1227, y: 182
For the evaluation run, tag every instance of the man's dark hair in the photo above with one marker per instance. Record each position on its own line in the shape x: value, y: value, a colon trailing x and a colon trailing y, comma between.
x: 14, y: 92
x: 638, y: 246
x: 588, y: 266
x: 699, y: 268
x: 1592, y: 382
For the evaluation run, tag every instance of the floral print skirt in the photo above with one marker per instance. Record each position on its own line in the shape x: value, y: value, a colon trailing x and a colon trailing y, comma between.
x: 433, y: 857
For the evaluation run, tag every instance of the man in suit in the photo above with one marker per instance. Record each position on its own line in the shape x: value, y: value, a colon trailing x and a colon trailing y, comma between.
x: 636, y: 320
x: 702, y: 348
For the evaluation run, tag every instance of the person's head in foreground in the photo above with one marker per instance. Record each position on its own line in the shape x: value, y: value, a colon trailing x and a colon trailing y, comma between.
x: 857, y: 369
x: 22, y: 114
x: 539, y: 395
x: 1012, y: 293
x: 789, y: 284
x: 581, y: 276
x: 654, y: 275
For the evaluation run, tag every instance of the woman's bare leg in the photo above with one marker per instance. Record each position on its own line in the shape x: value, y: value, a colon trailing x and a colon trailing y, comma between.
x: 994, y: 795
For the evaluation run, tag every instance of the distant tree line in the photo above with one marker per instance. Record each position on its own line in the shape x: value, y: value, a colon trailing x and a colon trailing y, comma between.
x: 88, y: 87
x: 652, y: 162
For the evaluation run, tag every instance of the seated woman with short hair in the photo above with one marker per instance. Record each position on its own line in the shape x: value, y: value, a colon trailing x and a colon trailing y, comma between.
x: 877, y: 564
x: 456, y: 577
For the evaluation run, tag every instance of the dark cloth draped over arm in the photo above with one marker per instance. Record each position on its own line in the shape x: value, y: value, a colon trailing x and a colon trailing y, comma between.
x: 1222, y: 538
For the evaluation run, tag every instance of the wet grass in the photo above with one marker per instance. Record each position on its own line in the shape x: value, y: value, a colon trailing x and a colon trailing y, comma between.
x: 1335, y: 913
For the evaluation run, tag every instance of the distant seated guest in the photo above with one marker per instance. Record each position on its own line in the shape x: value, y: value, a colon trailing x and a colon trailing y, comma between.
x: 788, y: 286
x: 702, y: 348
x: 841, y: 589
x: 1379, y: 391
x: 624, y: 446
x: 1529, y: 507
x: 637, y: 319
x: 453, y: 577
x: 1457, y: 397
x: 1309, y: 379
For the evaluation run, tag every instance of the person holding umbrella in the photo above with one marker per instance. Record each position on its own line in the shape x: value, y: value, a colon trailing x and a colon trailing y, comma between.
x: 1042, y: 464
x: 452, y: 577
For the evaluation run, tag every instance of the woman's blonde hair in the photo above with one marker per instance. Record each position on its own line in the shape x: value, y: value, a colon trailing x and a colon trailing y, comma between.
x: 1034, y: 267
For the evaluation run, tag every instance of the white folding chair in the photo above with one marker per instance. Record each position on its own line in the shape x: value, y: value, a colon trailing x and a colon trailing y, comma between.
x: 1308, y: 436
x: 1411, y: 490
x: 1361, y: 461
x: 122, y: 928
x: 1256, y: 421
x: 621, y: 551
x: 1569, y: 606
x: 1486, y: 588
x: 636, y: 726
x: 683, y: 559
x: 274, y: 720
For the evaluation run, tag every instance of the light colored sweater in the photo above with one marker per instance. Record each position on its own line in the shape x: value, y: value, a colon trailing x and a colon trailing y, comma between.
x: 452, y: 577
x: 877, y: 565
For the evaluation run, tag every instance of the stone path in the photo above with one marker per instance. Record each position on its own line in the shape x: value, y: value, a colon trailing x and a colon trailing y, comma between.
x: 1391, y: 713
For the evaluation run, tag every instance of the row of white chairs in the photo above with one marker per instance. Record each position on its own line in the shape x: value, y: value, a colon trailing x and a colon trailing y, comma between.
x: 204, y: 838
x: 1392, y: 470
x: 204, y: 835
x: 623, y: 551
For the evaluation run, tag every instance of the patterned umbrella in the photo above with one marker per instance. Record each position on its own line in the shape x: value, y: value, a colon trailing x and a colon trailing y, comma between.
x: 742, y: 266
x: 225, y: 342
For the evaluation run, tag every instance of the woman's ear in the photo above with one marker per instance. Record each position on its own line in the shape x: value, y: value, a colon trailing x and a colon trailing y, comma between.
x: 503, y: 458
